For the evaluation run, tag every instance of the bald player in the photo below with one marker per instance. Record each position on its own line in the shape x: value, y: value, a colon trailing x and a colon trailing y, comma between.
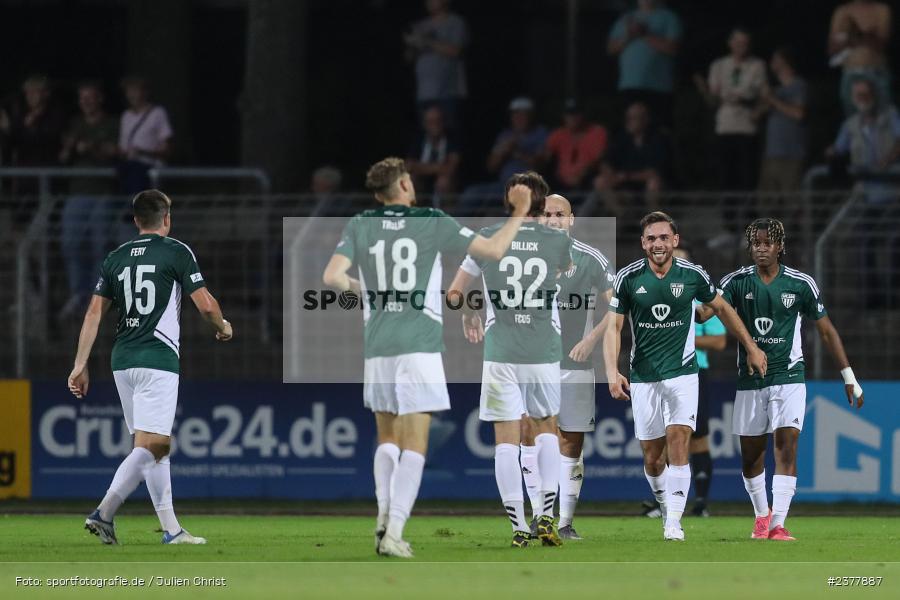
x: 579, y: 287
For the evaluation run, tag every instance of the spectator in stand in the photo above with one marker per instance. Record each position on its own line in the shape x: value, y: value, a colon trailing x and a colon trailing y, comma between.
x: 871, y: 139
x: 785, y: 149
x: 325, y: 189
x: 735, y: 86
x: 575, y: 148
x: 33, y: 126
x: 646, y: 40
x: 145, y: 136
x: 517, y: 149
x: 90, y: 141
x: 858, y: 42
x: 433, y: 159
x: 637, y: 163
x: 436, y: 44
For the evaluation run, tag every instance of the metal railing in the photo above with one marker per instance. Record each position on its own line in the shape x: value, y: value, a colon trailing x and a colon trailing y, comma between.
x: 848, y: 246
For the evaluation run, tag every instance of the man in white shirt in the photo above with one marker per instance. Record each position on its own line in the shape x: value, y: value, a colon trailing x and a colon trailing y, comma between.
x: 144, y: 136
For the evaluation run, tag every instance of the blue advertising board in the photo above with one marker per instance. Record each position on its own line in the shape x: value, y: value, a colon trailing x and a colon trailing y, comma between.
x: 271, y: 440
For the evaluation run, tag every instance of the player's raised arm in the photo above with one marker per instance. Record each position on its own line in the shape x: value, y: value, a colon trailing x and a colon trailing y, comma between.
x: 494, y: 247
x: 832, y: 341
x: 612, y: 341
x: 756, y: 358
x: 212, y: 313
x: 79, y: 378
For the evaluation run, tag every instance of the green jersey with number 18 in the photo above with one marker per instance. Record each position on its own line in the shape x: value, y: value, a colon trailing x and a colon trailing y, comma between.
x: 522, y: 324
x: 579, y: 287
x: 398, y: 249
x: 661, y: 313
x: 772, y: 314
x: 145, y: 279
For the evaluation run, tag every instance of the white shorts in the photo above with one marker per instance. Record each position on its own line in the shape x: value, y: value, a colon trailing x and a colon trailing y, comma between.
x: 658, y: 404
x: 149, y: 398
x: 758, y: 412
x: 510, y: 390
x: 577, y: 409
x: 406, y: 383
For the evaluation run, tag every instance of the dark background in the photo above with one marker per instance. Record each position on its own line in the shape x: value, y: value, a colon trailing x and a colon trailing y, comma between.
x: 343, y: 62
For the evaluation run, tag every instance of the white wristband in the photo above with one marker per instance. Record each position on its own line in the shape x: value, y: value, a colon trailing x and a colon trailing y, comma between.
x: 850, y: 379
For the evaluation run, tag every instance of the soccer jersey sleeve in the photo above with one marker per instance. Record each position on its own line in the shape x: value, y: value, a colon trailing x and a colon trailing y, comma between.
x: 712, y: 327
x: 601, y: 277
x: 706, y: 291
x: 727, y: 288
x: 470, y: 266
x: 189, y: 272
x: 813, y: 307
x: 620, y: 303
x: 104, y: 285
x: 452, y: 237
x: 347, y: 245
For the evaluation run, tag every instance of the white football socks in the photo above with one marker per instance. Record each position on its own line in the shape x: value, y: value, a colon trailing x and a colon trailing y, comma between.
x: 509, y: 483
x: 128, y: 476
x: 548, y: 466
x: 756, y: 488
x: 158, y: 477
x: 532, y: 476
x: 658, y: 484
x: 571, y: 477
x: 678, y: 484
x: 783, y: 488
x: 384, y: 463
x: 405, y: 488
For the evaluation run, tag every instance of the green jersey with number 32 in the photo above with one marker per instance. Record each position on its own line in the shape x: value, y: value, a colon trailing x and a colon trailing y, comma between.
x: 398, y: 252
x: 145, y: 279
x: 661, y: 314
x: 772, y: 314
x: 522, y: 323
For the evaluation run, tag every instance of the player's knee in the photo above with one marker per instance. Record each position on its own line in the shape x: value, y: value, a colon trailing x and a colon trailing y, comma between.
x: 159, y: 449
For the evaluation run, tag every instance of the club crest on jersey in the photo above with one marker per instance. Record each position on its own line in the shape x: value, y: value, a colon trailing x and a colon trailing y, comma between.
x: 788, y: 299
x: 571, y: 272
x: 763, y: 325
x: 660, y: 311
x: 677, y: 289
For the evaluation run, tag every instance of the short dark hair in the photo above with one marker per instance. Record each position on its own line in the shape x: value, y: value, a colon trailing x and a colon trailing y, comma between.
x: 788, y: 55
x: 539, y: 190
x: 150, y: 206
x: 384, y: 174
x: 658, y: 216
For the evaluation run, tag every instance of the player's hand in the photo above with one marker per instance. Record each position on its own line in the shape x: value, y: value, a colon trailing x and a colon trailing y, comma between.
x: 619, y: 388
x: 848, y: 388
x: 79, y: 380
x: 757, y: 362
x: 520, y: 199
x: 582, y: 350
x: 472, y: 328
x: 225, y: 334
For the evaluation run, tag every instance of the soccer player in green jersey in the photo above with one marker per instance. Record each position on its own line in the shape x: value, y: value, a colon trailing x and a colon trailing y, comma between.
x: 579, y: 287
x: 657, y: 294
x: 522, y: 353
x: 771, y: 299
x: 145, y: 279
x: 397, y: 248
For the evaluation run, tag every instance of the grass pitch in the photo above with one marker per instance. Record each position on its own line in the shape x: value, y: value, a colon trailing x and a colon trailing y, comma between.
x: 456, y: 557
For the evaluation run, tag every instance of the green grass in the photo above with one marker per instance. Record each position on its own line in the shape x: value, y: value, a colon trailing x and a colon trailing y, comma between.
x: 456, y: 557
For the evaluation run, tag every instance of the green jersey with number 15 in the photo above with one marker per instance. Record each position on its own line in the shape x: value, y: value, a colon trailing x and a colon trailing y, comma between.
x: 145, y: 279
x: 398, y: 251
